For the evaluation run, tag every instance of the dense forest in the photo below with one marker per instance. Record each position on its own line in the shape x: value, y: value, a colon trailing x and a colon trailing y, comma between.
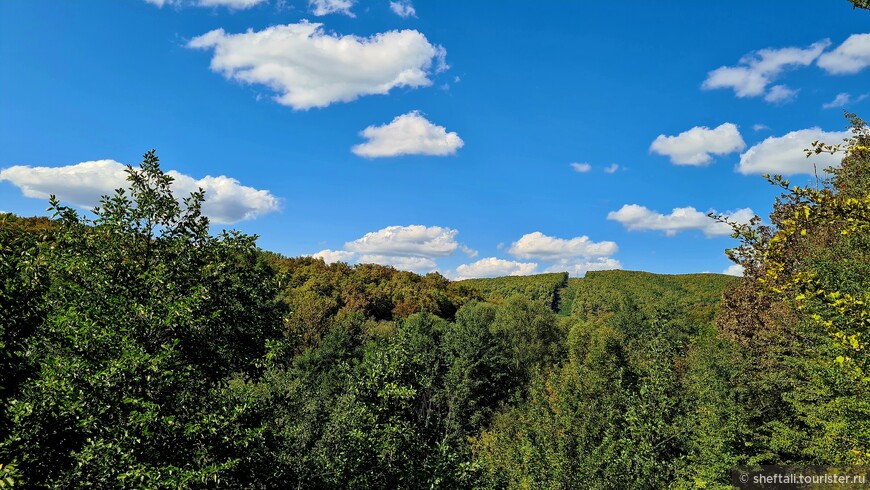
x: 140, y: 351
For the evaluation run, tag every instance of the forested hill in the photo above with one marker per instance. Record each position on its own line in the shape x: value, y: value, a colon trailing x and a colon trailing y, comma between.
x: 545, y: 288
x: 605, y: 290
x: 169, y: 344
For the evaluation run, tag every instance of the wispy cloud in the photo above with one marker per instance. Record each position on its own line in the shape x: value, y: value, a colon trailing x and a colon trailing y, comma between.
x: 780, y: 94
x: 843, y: 99
x: 231, y: 4
x: 326, y: 7
x: 758, y: 69
x: 403, y: 8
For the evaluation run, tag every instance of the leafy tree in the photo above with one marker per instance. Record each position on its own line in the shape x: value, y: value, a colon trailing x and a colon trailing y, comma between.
x: 610, y: 417
x: 529, y: 333
x: 802, y: 314
x: 146, y: 317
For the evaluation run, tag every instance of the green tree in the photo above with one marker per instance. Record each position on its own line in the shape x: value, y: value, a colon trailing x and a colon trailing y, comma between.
x: 146, y: 319
x: 802, y: 316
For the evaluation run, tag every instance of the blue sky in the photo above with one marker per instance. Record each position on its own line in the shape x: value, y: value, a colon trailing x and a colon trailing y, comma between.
x: 436, y: 135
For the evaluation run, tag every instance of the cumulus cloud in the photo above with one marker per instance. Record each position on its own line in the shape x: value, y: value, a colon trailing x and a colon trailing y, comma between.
x: 308, y: 67
x: 697, y: 145
x: 785, y: 154
x: 734, y: 270
x: 581, y: 167
x: 403, y: 9
x: 848, y: 58
x: 332, y: 256
x: 756, y: 70
x: 408, y: 134
x: 232, y: 4
x: 412, y: 264
x: 539, y: 246
x: 494, y: 267
x: 780, y: 94
x: 412, y: 248
x: 575, y: 255
x: 635, y: 217
x: 326, y: 7
x: 82, y: 184
x: 579, y: 267
x: 407, y: 241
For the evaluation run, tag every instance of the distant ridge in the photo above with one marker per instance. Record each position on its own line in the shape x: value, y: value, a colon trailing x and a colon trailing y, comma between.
x: 602, y: 291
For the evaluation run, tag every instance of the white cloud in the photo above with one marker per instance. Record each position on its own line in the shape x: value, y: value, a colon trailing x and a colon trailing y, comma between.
x: 468, y: 250
x: 785, y: 154
x: 579, y: 267
x: 231, y: 4
x: 695, y: 146
x: 326, y: 7
x: 756, y: 70
x: 412, y: 264
x: 734, y: 270
x: 226, y: 200
x: 407, y: 241
x: 760, y: 127
x: 780, y: 94
x: 839, y: 101
x: 412, y: 248
x: 403, y: 8
x: 82, y: 184
x: 308, y: 67
x: 493, y: 267
x: 539, y: 246
x: 581, y: 167
x: 636, y: 217
x: 850, y: 57
x: 612, y: 168
x: 332, y: 256
x: 408, y: 134
x: 842, y: 99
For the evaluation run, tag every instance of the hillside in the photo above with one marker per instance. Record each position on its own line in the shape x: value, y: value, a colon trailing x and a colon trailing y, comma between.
x: 545, y: 288
x: 602, y: 291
